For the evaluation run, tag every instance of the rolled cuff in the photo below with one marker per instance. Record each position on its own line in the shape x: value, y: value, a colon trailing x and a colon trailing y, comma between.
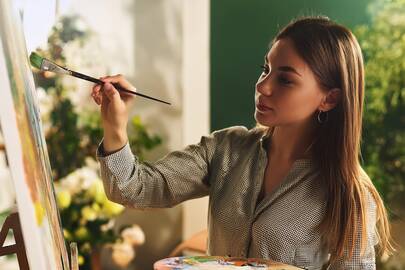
x: 116, y: 162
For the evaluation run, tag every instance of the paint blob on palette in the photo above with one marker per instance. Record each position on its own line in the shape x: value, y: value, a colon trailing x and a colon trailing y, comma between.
x: 218, y: 263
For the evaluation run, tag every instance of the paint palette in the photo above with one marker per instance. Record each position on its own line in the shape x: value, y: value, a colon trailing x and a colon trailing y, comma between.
x: 218, y: 263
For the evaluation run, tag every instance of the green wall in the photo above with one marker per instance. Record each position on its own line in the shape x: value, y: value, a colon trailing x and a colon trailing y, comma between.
x: 240, y: 33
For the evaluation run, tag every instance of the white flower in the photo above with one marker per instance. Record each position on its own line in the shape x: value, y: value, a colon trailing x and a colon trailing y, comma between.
x: 80, y: 179
x: 86, y: 57
x: 45, y: 102
x: 108, y: 226
x: 71, y: 183
x: 122, y: 254
x: 91, y: 163
x: 133, y: 235
x: 88, y: 177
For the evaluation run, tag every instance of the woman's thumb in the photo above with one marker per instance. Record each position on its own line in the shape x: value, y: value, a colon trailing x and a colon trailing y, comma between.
x: 111, y: 93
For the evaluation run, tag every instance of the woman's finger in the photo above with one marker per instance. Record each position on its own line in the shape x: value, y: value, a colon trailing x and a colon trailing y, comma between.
x: 96, y: 94
x: 119, y: 79
x: 111, y: 93
x: 96, y: 90
x: 113, y: 78
x: 97, y: 98
x: 126, y: 96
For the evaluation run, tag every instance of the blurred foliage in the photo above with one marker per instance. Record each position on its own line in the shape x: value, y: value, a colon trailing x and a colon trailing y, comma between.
x: 141, y: 141
x: 4, y: 215
x: 87, y: 215
x: 383, y: 147
x: 64, y: 137
x: 74, y: 135
x: 383, y: 45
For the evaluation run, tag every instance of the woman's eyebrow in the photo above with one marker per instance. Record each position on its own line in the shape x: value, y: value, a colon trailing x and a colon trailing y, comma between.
x: 283, y: 68
x: 288, y: 69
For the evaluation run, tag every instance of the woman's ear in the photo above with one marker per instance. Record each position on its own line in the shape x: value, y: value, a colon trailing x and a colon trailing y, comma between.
x: 330, y: 100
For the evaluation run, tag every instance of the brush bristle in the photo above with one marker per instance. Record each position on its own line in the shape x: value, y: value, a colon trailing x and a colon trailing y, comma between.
x: 36, y: 60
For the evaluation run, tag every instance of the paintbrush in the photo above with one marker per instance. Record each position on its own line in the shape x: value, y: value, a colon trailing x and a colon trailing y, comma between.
x: 47, y: 65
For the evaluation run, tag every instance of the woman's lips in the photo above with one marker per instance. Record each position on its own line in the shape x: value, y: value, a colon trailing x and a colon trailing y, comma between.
x: 263, y: 108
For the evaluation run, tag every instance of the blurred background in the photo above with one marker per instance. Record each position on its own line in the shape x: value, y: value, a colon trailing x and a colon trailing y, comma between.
x: 204, y: 57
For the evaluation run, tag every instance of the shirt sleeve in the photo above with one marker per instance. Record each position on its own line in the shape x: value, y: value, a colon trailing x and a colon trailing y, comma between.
x: 179, y: 176
x: 365, y: 261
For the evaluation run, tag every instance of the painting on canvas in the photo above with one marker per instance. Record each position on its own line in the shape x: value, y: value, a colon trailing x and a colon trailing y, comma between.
x: 26, y: 148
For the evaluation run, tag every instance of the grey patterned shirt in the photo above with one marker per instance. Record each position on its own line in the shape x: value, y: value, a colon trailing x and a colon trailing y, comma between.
x: 229, y: 166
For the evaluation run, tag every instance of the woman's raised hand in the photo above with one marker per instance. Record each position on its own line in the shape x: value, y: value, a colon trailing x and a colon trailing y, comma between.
x: 114, y: 110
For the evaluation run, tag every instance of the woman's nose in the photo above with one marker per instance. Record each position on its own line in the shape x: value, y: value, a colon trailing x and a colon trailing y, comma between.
x: 264, y: 87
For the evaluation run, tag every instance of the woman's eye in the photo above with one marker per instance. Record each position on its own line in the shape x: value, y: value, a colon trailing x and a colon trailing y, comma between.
x: 265, y: 69
x: 284, y: 80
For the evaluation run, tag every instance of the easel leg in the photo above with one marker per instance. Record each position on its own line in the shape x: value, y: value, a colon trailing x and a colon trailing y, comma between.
x: 13, y: 222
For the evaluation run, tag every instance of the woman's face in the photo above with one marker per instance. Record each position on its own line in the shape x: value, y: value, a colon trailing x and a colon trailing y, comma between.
x: 286, y: 91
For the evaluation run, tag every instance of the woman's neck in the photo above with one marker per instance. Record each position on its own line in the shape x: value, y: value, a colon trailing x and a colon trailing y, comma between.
x: 292, y: 142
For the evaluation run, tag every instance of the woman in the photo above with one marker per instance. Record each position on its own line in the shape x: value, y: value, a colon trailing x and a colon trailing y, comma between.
x: 291, y: 189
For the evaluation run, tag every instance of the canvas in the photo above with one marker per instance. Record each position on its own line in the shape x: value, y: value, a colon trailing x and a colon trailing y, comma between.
x: 26, y: 148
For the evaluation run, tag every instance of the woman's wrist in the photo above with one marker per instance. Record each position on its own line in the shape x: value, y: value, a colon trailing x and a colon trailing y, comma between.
x: 114, y: 140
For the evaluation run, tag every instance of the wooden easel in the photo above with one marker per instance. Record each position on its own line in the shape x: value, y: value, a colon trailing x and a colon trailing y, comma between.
x: 13, y: 222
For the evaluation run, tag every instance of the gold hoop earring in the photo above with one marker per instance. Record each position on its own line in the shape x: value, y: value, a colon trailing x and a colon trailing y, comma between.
x: 324, y: 119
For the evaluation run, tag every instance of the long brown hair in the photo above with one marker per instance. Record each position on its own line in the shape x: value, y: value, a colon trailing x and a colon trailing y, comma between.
x: 334, y: 56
